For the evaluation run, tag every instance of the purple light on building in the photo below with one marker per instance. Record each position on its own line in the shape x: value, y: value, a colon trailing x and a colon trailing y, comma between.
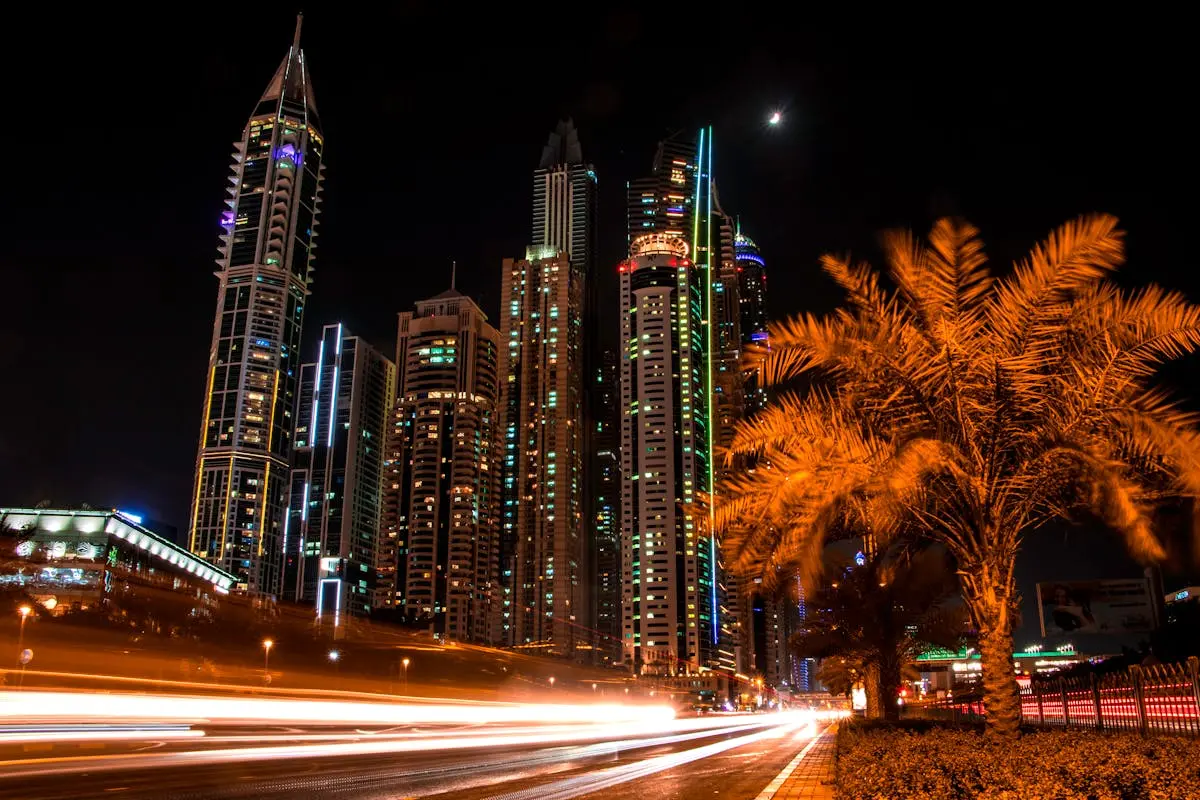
x: 289, y: 153
x: 227, y: 220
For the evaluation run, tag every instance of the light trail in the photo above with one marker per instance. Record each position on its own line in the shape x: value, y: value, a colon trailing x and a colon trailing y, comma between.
x: 600, y: 780
x: 235, y: 688
x: 614, y: 735
x: 26, y: 734
x: 36, y: 705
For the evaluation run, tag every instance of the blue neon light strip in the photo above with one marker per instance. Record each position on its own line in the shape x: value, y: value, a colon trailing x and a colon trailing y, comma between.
x: 712, y: 489
x: 333, y: 406
x: 312, y: 429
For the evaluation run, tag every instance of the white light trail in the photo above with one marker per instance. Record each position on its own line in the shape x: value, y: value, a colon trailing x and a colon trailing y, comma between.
x: 618, y: 736
x: 26, y: 706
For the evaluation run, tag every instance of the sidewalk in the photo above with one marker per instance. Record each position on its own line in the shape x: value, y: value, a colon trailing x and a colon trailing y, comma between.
x: 810, y: 775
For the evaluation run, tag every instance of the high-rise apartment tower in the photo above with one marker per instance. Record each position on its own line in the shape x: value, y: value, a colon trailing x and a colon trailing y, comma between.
x: 541, y: 368
x: 544, y: 308
x: 605, y: 524
x: 330, y: 534
x: 669, y: 571
x: 442, y: 476
x: 264, y: 273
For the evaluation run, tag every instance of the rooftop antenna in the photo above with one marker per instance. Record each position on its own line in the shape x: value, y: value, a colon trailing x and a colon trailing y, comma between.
x: 453, y: 270
x: 296, y: 38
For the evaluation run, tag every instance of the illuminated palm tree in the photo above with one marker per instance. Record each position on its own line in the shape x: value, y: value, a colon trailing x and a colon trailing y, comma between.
x: 972, y: 407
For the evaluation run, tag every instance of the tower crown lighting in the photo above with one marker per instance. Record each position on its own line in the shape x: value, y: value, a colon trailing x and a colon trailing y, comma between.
x: 659, y: 243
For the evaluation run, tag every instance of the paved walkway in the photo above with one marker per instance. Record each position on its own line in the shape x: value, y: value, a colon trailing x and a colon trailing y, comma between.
x: 810, y: 775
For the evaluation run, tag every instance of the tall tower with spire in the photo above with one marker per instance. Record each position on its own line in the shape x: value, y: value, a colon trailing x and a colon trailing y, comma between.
x: 544, y: 327
x: 238, y: 518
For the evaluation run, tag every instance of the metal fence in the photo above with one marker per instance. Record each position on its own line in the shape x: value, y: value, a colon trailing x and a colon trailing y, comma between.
x: 1164, y: 698
x: 1159, y: 699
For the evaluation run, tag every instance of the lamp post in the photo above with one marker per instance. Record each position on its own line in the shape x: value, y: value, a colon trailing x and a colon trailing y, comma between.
x: 335, y: 659
x: 551, y: 681
x: 405, y: 662
x: 267, y: 645
x: 24, y: 612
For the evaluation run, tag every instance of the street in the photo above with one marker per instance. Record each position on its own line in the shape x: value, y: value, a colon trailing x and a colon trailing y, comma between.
x: 517, y: 751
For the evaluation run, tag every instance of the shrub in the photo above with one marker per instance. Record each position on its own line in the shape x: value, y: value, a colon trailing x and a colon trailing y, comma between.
x: 938, y: 763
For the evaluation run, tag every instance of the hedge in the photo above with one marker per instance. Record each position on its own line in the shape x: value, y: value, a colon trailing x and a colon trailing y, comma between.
x: 943, y: 763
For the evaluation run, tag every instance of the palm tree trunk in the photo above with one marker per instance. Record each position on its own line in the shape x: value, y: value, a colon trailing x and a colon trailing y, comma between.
x: 874, y: 696
x: 991, y: 597
x: 889, y: 689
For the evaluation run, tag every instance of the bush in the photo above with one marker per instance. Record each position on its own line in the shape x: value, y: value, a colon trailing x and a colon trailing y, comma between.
x: 938, y: 763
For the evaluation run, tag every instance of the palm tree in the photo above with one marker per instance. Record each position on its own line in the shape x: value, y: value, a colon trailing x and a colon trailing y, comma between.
x: 974, y: 407
x: 879, y: 616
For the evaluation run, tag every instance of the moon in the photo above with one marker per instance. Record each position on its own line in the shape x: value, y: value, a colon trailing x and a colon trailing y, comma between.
x: 775, y: 118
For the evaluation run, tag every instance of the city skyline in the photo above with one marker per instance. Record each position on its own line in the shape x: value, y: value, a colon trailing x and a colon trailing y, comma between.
x: 148, y: 469
x: 639, y: 459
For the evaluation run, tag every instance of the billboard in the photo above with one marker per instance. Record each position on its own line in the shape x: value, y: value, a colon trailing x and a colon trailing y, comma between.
x: 1111, y: 606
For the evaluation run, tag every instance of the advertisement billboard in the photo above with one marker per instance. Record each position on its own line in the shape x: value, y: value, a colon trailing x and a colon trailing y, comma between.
x: 1097, y: 606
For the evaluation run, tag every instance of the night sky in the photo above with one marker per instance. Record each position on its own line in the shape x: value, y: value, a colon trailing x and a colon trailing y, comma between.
x: 117, y: 137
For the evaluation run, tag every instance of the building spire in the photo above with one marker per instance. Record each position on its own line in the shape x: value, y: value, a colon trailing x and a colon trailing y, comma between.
x: 453, y: 270
x: 291, y: 80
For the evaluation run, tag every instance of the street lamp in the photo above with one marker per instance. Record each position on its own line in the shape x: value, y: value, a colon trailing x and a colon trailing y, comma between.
x: 267, y: 645
x: 593, y: 688
x: 335, y: 659
x: 24, y: 611
x: 405, y: 662
x: 551, y: 681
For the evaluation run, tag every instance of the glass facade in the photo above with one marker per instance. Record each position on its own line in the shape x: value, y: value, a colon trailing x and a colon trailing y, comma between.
x: 265, y: 271
x: 332, y: 528
x: 441, y: 476
x: 669, y: 572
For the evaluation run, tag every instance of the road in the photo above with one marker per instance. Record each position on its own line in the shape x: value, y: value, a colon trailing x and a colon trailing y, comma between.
x: 83, y: 745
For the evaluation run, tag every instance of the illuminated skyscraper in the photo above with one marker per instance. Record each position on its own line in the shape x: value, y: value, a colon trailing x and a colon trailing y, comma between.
x: 564, y: 199
x: 264, y: 275
x: 442, y: 477
x: 752, y: 298
x: 669, y: 582
x: 543, y: 307
x: 663, y: 201
x: 541, y: 368
x: 729, y: 409
x: 342, y: 417
x: 605, y: 501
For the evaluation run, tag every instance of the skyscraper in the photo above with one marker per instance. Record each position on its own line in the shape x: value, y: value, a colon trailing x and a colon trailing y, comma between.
x: 664, y: 201
x: 728, y: 410
x: 605, y: 499
x: 669, y: 581
x: 564, y: 199
x: 752, y: 299
x: 333, y: 520
x: 442, y: 477
x: 541, y: 368
x: 544, y: 358
x: 264, y: 275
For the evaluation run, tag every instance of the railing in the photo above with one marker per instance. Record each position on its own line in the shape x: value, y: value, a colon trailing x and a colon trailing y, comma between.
x: 1164, y: 698
x: 1159, y: 699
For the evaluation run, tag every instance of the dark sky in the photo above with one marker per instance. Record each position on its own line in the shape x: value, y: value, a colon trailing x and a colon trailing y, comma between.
x: 116, y: 137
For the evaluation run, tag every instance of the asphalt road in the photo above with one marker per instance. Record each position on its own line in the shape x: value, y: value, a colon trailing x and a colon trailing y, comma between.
x: 734, y: 759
